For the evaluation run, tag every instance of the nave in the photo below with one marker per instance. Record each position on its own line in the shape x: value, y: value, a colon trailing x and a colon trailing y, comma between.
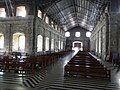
x: 52, y: 78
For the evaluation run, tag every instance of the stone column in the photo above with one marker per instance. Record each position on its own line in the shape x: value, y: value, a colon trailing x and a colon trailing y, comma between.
x: 10, y: 38
x: 50, y: 41
x: 44, y: 39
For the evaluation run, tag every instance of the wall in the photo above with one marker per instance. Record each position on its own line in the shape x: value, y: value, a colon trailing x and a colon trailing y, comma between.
x: 47, y: 31
x: 106, y: 35
x: 82, y: 38
x: 114, y: 32
x: 98, y: 39
x: 11, y: 25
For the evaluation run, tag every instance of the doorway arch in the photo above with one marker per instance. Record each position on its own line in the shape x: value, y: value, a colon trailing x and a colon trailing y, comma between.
x: 39, y: 43
x: 18, y: 42
x: 77, y: 45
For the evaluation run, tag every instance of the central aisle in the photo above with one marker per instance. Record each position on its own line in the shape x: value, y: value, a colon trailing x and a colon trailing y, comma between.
x: 55, y: 79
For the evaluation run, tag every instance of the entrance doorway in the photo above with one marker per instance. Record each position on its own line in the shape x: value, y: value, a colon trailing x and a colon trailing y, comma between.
x: 18, y: 42
x: 77, y: 45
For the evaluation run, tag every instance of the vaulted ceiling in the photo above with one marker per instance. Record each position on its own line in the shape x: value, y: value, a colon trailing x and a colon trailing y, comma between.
x: 71, y: 13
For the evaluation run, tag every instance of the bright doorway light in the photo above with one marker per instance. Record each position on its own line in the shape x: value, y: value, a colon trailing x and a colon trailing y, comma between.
x: 77, y: 45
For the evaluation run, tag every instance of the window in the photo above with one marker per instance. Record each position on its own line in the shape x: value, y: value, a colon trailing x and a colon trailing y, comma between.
x: 52, y: 44
x: 47, y: 44
x: 99, y: 41
x: 77, y: 34
x: 39, y: 14
x: 21, y: 11
x: 47, y: 20
x: 52, y: 24
x: 59, y: 45
x: 2, y: 12
x: 21, y: 43
x: 18, y: 42
x: 88, y: 34
x: 96, y: 41
x: 39, y: 43
x: 67, y: 34
x: 56, y: 27
x: 1, y: 41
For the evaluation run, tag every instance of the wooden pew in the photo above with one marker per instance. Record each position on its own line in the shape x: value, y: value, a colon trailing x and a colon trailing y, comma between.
x: 85, y: 61
x: 30, y: 63
x: 86, y: 71
x: 84, y: 64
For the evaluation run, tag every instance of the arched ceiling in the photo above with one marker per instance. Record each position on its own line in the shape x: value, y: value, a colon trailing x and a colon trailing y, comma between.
x: 71, y: 13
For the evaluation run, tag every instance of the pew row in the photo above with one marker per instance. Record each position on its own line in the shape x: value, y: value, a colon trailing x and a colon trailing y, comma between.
x: 31, y: 63
x: 86, y: 65
x: 87, y: 71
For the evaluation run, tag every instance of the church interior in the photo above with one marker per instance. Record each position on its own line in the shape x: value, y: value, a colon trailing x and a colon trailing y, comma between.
x: 59, y: 45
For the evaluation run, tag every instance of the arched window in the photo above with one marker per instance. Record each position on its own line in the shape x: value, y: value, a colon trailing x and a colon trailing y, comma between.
x: 77, y: 34
x: 52, y: 24
x: 39, y: 43
x: 88, y: 34
x: 52, y: 44
x: 1, y: 41
x: 47, y: 44
x: 19, y: 42
x: 21, y: 11
x: 61, y: 45
x: 47, y: 19
x: 67, y: 34
x: 39, y: 14
x: 56, y: 26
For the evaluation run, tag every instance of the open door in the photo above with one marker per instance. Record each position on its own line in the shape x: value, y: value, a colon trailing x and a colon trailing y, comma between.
x: 77, y: 45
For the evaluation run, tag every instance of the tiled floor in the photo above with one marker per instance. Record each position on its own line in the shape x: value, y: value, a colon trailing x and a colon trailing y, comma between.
x: 52, y: 78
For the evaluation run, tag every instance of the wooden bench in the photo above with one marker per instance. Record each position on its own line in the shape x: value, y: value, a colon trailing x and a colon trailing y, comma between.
x: 86, y: 71
x: 84, y: 63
